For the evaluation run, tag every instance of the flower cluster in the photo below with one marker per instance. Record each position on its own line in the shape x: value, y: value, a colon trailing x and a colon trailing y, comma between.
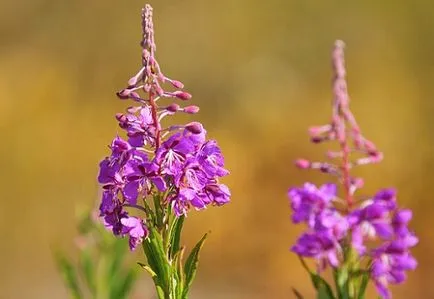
x: 331, y: 232
x: 339, y: 229
x: 175, y: 164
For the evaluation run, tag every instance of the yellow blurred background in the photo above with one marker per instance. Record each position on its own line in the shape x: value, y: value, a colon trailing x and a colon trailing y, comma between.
x: 260, y: 71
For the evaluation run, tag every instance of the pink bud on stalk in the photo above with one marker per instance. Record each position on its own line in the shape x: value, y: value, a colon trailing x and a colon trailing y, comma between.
x: 182, y: 95
x: 194, y: 127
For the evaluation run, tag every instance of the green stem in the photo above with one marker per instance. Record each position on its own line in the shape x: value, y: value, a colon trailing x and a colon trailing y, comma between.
x: 157, y: 249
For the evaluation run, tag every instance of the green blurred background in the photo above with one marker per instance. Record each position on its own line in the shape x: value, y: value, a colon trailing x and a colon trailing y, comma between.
x: 260, y: 70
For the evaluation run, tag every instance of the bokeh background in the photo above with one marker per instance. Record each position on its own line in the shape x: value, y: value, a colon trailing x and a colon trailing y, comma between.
x: 260, y: 70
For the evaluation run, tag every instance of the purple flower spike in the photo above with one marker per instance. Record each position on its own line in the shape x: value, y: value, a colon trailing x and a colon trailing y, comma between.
x: 344, y: 228
x: 174, y: 164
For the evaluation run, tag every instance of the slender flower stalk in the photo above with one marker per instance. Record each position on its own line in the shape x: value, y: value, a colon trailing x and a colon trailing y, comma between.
x: 361, y: 239
x: 159, y: 172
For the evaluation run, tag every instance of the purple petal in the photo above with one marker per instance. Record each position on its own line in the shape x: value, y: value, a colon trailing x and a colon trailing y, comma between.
x: 137, y: 140
x: 130, y: 222
x: 159, y: 183
x: 384, y: 230
x: 382, y: 290
x: 333, y: 259
x: 131, y: 192
x: 108, y: 202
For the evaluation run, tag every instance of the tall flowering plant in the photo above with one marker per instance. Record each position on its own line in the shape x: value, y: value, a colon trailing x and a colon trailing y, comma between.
x: 159, y: 172
x: 360, y: 239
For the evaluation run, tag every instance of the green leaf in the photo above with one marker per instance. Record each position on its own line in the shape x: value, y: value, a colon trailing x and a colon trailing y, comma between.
x: 69, y: 276
x: 148, y: 269
x: 175, y: 236
x: 324, y: 291
x: 160, y: 292
x: 179, y: 270
x: 191, y: 264
x: 157, y: 260
x: 150, y: 215
x: 114, y: 261
x: 124, y: 285
x: 362, y: 289
x: 159, y: 213
x: 88, y: 269
x: 152, y: 260
x: 342, y: 283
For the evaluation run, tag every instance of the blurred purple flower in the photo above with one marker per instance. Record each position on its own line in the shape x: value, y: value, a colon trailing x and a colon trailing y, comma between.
x: 307, y: 202
x: 321, y: 246
x: 389, y: 264
x: 371, y: 221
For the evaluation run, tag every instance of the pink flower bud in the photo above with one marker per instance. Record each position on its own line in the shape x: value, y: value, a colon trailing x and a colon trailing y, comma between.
x: 325, y: 168
x: 370, y: 146
x: 134, y: 95
x: 194, y: 127
x: 177, y: 84
x: 132, y: 81
x: 302, y: 163
x: 182, y: 95
x: 159, y: 91
x: 358, y: 182
x: 121, y: 117
x: 316, y: 139
x: 191, y: 109
x: 172, y: 107
x: 376, y: 157
x: 124, y: 94
x: 145, y: 54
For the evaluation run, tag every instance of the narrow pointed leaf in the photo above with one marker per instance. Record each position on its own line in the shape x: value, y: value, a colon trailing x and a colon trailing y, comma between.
x: 324, y: 291
x: 179, y: 270
x: 152, y: 261
x: 124, y: 286
x: 148, y: 269
x: 158, y: 211
x: 156, y: 256
x: 175, y: 236
x: 160, y: 292
x: 69, y: 276
x: 364, y: 283
x: 150, y: 215
x: 88, y: 269
x: 116, y: 256
x: 341, y: 281
x: 191, y: 264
